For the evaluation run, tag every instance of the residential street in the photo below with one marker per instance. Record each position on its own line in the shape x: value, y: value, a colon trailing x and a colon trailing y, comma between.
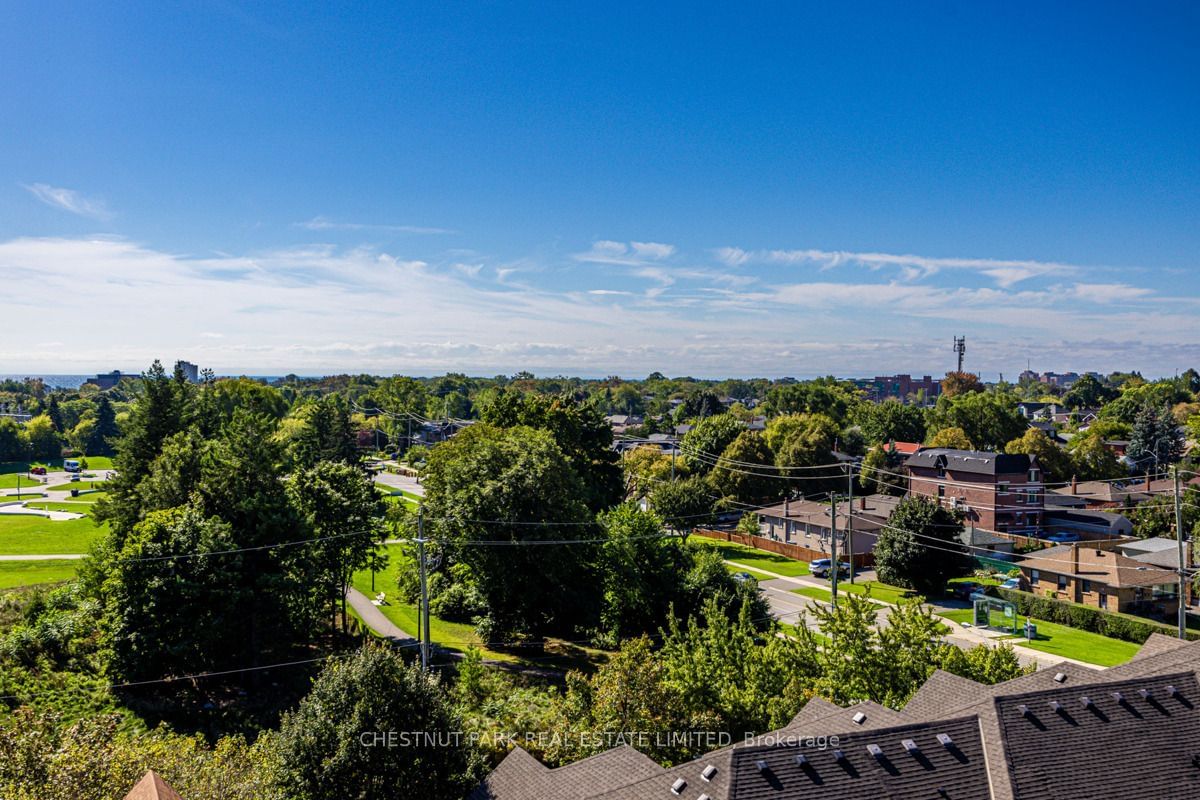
x: 787, y: 606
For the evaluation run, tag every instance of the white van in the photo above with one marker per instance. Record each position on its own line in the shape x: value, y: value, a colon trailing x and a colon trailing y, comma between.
x: 71, y: 465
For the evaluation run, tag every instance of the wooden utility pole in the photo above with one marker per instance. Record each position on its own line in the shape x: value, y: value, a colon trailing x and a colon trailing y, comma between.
x: 833, y: 567
x: 1183, y: 573
x: 850, y: 520
x: 423, y: 610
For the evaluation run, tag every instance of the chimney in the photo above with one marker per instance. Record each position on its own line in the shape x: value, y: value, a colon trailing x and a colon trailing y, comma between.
x: 787, y: 506
x: 1074, y: 484
x: 862, y: 503
x: 1075, y: 559
x: 1147, y: 480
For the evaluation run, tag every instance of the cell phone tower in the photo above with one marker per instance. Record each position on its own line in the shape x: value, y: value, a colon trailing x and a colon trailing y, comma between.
x: 960, y: 347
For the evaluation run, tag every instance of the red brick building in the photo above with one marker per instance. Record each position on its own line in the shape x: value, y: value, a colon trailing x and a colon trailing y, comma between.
x: 995, y: 491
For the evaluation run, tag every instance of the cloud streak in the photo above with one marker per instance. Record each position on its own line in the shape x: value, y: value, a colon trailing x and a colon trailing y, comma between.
x: 1005, y: 272
x: 68, y: 200
x: 323, y: 224
x: 322, y: 308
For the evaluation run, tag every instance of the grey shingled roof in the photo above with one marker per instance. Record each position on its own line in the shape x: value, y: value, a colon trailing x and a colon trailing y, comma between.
x: 970, y: 461
x: 958, y: 770
x: 520, y: 776
x: 1109, y: 746
x: 1099, y: 757
x: 941, y: 694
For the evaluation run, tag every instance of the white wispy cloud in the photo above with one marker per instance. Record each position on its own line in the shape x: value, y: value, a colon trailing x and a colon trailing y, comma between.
x: 68, y: 200
x: 1005, y: 272
x: 324, y: 224
x: 632, y: 254
x: 327, y: 308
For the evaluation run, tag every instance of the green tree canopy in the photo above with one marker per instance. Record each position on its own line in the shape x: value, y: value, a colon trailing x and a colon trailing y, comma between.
x: 920, y: 547
x: 515, y: 485
x: 989, y: 419
x: 746, y: 470
x: 684, y: 504
x: 335, y: 745
x: 580, y: 431
x: 829, y: 396
x: 891, y: 421
x: 707, y: 439
x: 1055, y: 463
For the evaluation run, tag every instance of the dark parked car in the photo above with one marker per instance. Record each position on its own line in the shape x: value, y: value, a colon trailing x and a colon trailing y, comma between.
x: 964, y: 590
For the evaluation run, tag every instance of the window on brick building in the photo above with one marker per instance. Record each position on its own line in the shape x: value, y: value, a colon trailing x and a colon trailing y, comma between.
x: 1062, y: 583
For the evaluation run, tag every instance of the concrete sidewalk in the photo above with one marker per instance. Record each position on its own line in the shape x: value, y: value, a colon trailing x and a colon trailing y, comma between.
x: 375, y: 619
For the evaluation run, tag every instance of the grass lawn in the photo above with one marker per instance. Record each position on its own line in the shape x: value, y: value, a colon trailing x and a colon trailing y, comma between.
x: 30, y: 573
x: 1061, y: 640
x: 30, y: 535
x: 756, y: 559
x: 458, y: 636
x: 82, y: 486
x: 878, y: 591
x: 79, y: 506
x: 98, y: 462
x: 9, y: 480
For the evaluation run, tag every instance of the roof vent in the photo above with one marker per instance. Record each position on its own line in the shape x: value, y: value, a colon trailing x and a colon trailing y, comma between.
x: 838, y: 755
x: 1059, y: 677
x: 1087, y: 701
x: 1024, y: 709
x: 910, y: 746
x: 802, y: 760
x: 1145, y: 693
x: 1055, y: 706
x: 678, y: 786
x: 762, y: 765
x: 945, y: 740
x: 859, y: 718
x: 1172, y: 691
x: 703, y: 797
x: 875, y: 750
x: 708, y: 773
x: 1120, y: 698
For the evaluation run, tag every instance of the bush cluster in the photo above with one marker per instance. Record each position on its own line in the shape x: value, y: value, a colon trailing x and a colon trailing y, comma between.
x: 1125, y: 627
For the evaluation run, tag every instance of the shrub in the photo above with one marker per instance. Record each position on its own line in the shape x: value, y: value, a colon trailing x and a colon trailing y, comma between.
x: 1125, y: 627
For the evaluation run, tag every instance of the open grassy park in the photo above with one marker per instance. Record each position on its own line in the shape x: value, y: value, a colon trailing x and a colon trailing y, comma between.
x: 33, y: 573
x: 34, y: 535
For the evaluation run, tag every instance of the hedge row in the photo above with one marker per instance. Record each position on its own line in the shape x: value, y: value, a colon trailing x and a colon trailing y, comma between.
x: 1117, y: 626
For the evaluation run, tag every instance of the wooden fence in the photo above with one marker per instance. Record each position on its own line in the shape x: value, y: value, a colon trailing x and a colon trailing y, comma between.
x: 861, y: 560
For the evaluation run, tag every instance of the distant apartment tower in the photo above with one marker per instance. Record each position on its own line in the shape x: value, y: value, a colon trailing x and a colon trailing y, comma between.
x: 903, y: 387
x: 189, y: 370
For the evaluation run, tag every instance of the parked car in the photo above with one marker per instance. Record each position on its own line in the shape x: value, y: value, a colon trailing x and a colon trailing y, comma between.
x: 743, y: 577
x: 964, y: 589
x: 822, y: 567
x: 37, y: 470
x: 1063, y: 538
x: 1011, y: 583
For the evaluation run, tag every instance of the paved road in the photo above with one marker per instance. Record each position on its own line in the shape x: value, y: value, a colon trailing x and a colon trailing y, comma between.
x: 404, y: 482
x: 785, y: 605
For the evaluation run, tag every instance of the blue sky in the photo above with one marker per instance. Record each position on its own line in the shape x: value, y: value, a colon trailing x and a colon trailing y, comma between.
x: 748, y: 189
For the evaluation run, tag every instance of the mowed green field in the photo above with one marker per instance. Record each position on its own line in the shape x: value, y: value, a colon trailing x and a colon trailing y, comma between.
x: 755, y: 559
x: 32, y: 573
x: 36, y: 535
x: 82, y: 486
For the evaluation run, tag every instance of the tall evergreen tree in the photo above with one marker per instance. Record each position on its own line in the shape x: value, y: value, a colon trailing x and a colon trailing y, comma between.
x: 1156, y: 440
